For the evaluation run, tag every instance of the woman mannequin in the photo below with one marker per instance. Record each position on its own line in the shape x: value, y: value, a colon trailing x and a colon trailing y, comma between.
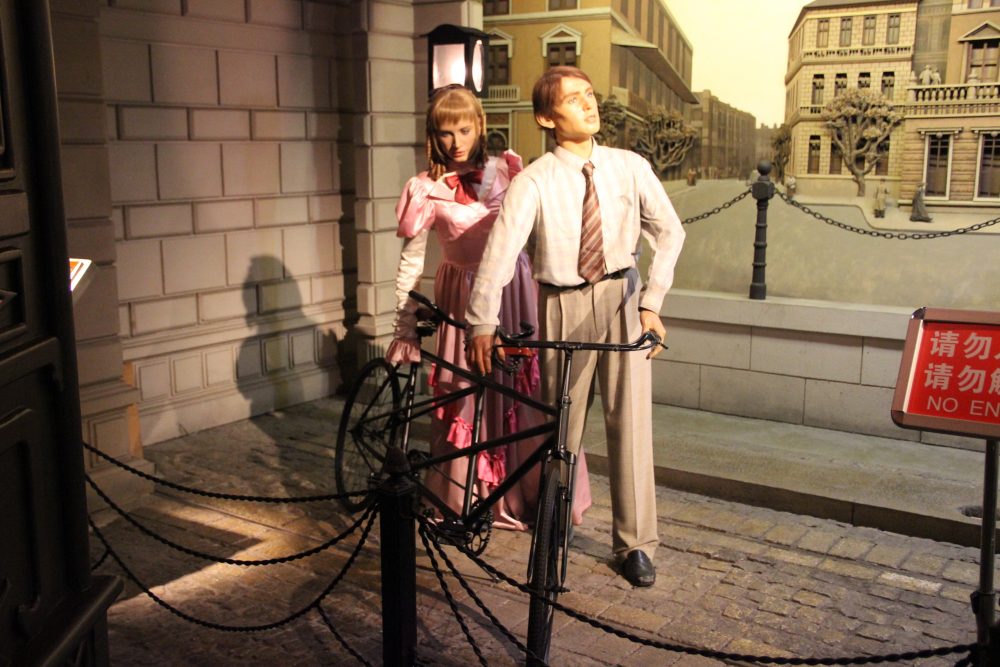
x: 459, y: 197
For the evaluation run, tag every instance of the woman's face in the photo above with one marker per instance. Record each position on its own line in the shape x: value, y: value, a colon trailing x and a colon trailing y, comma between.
x: 458, y: 139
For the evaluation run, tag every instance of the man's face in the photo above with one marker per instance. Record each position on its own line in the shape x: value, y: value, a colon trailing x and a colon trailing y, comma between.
x: 574, y: 117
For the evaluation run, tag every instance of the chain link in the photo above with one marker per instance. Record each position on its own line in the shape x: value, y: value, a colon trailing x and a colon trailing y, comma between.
x: 238, y: 628
x: 227, y: 561
x: 907, y: 656
x: 902, y: 236
x: 717, y: 209
x: 221, y: 496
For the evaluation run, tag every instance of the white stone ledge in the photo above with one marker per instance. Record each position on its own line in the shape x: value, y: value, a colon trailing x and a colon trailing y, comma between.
x: 849, y: 319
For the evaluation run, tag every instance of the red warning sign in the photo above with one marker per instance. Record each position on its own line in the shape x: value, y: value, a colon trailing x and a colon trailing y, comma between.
x: 949, y: 379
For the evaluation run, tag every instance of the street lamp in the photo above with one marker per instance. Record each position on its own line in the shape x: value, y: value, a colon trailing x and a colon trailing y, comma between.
x: 457, y: 55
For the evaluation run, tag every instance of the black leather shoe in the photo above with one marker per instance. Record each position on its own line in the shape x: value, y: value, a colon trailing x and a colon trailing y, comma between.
x: 638, y: 570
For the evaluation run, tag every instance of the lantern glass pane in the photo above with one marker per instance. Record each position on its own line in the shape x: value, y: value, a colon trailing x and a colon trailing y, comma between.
x: 477, y: 66
x: 449, y: 65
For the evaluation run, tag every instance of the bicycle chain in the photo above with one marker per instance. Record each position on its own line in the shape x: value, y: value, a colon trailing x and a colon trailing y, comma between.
x: 902, y: 236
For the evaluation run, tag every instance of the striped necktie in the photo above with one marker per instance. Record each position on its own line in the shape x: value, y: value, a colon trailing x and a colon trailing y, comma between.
x: 591, y: 264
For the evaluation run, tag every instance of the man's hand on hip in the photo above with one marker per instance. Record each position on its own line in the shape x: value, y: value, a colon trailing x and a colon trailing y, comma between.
x: 651, y: 322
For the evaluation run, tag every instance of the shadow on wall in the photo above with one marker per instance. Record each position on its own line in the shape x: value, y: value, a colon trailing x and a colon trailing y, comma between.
x: 283, y: 339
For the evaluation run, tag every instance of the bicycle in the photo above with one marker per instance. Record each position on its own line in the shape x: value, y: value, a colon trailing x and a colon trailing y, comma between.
x: 379, y: 413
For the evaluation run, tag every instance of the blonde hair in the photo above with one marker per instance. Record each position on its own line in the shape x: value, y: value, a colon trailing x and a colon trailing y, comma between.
x: 453, y: 104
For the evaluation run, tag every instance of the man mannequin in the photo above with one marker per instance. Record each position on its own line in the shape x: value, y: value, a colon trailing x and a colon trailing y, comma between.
x: 552, y: 203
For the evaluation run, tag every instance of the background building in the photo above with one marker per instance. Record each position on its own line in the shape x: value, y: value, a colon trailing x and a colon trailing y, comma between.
x: 835, y: 45
x: 632, y: 49
x: 952, y: 126
x: 727, y: 139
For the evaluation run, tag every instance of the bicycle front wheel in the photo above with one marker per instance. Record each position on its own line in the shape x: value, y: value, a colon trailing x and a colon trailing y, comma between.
x: 367, y: 429
x: 544, y: 575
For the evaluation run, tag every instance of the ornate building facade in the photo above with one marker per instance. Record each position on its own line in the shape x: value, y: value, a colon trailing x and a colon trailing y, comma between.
x: 835, y: 45
x: 632, y: 49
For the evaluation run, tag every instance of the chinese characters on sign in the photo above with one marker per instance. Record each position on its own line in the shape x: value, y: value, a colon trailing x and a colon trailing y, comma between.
x: 958, y: 372
x: 951, y: 372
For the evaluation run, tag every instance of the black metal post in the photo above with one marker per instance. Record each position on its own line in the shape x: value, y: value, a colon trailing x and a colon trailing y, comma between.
x: 762, y: 190
x: 984, y: 600
x: 399, y: 562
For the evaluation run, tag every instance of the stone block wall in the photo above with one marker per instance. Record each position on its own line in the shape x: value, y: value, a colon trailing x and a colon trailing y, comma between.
x: 823, y: 364
x: 230, y: 175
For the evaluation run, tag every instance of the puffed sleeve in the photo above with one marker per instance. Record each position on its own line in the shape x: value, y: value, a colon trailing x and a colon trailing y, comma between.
x: 414, y: 210
x: 514, y: 163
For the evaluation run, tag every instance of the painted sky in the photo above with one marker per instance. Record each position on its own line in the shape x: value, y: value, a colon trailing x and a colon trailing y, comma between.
x: 740, y: 50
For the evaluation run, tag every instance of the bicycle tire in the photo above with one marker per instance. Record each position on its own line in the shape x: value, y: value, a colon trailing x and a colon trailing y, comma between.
x: 367, y: 429
x: 544, y: 578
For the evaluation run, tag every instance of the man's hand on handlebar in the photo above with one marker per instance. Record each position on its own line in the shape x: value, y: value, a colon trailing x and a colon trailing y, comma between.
x: 651, y: 322
x: 478, y: 353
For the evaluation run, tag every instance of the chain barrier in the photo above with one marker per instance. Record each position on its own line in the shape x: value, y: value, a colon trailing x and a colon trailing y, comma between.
x: 216, y: 559
x: 222, y: 496
x: 908, y: 656
x: 100, y: 561
x: 902, y: 236
x: 343, y: 642
x: 451, y: 600
x: 239, y: 628
x: 718, y: 209
x: 424, y: 530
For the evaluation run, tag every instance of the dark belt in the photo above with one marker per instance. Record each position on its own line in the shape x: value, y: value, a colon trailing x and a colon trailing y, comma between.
x: 620, y: 273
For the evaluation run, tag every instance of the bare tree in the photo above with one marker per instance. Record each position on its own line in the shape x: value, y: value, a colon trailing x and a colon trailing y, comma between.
x: 664, y: 139
x: 781, y: 150
x: 613, y: 116
x: 860, y: 122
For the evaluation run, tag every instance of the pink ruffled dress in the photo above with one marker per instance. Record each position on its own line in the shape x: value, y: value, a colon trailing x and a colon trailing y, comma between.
x: 462, y: 230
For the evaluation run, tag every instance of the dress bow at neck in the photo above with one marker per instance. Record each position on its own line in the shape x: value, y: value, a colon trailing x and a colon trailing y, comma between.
x: 465, y: 185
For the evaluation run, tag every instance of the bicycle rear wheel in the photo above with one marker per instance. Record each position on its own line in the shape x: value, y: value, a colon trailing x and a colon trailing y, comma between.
x: 367, y: 429
x: 544, y: 575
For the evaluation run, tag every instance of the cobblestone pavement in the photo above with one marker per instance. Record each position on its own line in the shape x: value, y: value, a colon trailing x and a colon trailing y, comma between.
x: 731, y: 577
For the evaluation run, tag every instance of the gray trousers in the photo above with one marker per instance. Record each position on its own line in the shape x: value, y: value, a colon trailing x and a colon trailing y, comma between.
x: 608, y: 312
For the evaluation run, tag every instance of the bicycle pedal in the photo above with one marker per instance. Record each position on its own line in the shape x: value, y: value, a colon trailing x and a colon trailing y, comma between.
x: 417, y: 456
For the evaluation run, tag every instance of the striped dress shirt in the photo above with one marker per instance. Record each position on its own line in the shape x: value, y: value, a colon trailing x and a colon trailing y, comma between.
x: 544, y: 209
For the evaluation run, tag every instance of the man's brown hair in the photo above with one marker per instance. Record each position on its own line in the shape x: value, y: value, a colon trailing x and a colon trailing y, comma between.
x: 545, y: 94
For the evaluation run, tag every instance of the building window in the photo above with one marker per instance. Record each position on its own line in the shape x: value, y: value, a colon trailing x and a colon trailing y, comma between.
x: 839, y: 84
x: 822, y: 33
x: 638, y: 15
x: 498, y: 72
x: 975, y: 4
x: 836, y: 159
x: 868, y: 33
x: 562, y: 4
x: 888, y: 84
x: 562, y: 54
x: 649, y: 21
x: 845, y: 31
x: 882, y: 166
x: 864, y: 80
x: 989, y: 166
x: 936, y: 168
x: 892, y: 30
x: 983, y: 60
x: 496, y: 7
x: 624, y: 7
x: 814, y: 146
x: 817, y: 92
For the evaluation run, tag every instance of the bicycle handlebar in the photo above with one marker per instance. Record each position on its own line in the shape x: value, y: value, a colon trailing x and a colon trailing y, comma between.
x: 647, y: 340
x: 644, y: 342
